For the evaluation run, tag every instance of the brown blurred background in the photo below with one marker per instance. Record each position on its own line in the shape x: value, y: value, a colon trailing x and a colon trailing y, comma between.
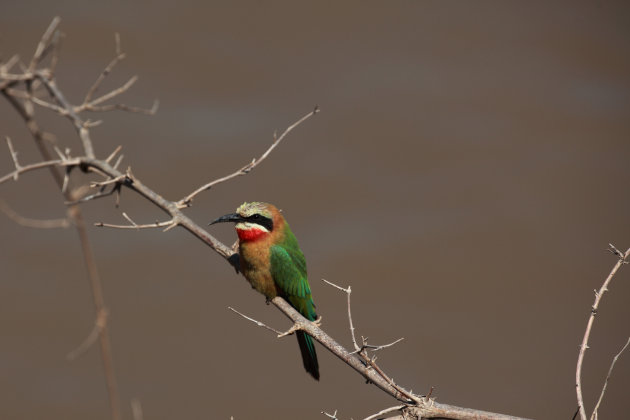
x: 465, y: 175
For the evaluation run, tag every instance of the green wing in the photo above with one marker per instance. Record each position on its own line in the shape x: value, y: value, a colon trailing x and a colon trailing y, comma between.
x: 288, y: 269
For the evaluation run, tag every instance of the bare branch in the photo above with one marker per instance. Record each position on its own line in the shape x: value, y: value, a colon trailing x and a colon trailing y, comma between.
x: 598, y: 297
x: 612, y: 366
x: 186, y: 201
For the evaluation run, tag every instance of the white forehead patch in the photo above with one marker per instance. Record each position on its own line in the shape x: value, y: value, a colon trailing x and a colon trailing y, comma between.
x: 249, y: 209
x: 248, y: 226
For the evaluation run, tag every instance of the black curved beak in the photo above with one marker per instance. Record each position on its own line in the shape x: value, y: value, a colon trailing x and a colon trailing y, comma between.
x: 233, y: 217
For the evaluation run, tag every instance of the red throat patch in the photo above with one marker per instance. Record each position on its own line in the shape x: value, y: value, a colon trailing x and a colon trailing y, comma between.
x: 252, y: 234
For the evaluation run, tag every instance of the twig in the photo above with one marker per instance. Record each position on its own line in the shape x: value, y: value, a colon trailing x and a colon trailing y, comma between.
x: 332, y: 416
x: 119, y: 57
x: 598, y: 297
x: 99, y: 325
x: 111, y: 94
x: 129, y: 220
x: 35, y: 166
x: 6, y: 66
x: 186, y: 201
x: 260, y: 324
x: 612, y: 365
x: 125, y: 107
x: 348, y: 291
x: 381, y: 347
x: 135, y: 226
x: 14, y: 157
x: 44, y: 42
x: 385, y: 411
x: 113, y: 154
x: 33, y: 223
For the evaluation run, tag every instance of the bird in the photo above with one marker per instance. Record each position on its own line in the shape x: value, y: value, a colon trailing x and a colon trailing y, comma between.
x: 272, y: 262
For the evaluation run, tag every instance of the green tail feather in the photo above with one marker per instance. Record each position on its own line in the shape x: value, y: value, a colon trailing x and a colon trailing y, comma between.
x: 309, y: 357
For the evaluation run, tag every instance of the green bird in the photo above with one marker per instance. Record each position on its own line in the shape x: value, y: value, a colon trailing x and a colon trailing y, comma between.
x: 272, y: 262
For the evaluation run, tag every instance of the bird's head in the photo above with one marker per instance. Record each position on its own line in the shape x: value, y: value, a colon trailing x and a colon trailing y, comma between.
x: 253, y: 220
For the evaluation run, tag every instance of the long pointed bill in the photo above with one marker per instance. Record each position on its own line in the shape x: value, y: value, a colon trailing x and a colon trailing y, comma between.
x: 234, y: 218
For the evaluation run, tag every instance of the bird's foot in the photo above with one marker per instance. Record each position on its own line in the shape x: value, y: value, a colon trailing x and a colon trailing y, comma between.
x: 318, y: 321
x: 290, y: 331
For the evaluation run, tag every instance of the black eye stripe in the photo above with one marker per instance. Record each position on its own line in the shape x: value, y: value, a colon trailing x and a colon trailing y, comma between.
x: 261, y: 220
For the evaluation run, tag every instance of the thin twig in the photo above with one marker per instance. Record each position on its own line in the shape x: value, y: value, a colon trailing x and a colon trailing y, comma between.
x: 43, y: 44
x: 113, y: 154
x: 125, y: 107
x: 332, y: 416
x: 260, y: 324
x: 15, y: 158
x: 381, y: 347
x: 185, y: 202
x: 135, y: 226
x: 385, y: 411
x: 348, y: 291
x: 111, y: 94
x: 35, y: 166
x: 610, y: 370
x: 33, y: 223
x: 119, y: 57
x: 99, y: 324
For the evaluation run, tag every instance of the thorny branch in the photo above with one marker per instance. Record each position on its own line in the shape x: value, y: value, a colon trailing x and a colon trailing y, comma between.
x: 622, y: 259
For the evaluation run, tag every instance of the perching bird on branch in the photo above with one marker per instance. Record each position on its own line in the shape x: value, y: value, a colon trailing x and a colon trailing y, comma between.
x: 271, y: 260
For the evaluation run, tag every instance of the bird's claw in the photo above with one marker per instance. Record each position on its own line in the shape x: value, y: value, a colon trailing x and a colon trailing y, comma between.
x: 290, y: 331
